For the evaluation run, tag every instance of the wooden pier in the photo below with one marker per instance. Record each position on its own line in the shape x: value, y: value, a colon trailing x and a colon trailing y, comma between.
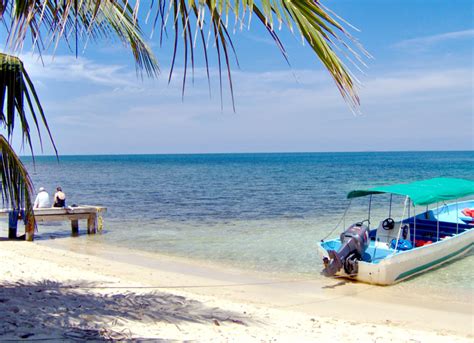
x: 93, y: 215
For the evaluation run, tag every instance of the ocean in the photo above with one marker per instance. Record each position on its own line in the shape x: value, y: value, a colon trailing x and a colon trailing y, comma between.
x: 262, y: 212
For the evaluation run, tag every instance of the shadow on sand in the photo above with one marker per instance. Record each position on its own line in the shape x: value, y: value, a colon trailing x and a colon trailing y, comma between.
x: 59, y: 311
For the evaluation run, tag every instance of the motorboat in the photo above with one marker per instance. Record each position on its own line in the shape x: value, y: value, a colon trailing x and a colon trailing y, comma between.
x: 396, y: 250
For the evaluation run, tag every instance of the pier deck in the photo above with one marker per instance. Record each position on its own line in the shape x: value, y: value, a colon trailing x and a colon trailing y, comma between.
x: 93, y: 215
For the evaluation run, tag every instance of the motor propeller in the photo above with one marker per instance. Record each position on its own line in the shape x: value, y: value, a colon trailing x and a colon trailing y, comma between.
x: 354, y: 242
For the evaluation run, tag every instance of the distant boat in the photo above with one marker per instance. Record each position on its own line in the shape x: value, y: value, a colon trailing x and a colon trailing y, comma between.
x: 397, y: 250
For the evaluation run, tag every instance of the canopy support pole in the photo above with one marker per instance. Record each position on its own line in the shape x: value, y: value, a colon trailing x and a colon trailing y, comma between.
x: 457, y: 218
x: 401, y: 224
x: 390, y: 206
x: 437, y: 222
x: 344, y: 216
x: 414, y: 225
x: 370, y: 205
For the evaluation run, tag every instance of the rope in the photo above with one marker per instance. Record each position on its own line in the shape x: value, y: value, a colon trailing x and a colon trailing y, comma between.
x: 339, y: 222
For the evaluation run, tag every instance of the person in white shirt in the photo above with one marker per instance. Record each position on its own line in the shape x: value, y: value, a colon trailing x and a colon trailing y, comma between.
x: 42, y: 199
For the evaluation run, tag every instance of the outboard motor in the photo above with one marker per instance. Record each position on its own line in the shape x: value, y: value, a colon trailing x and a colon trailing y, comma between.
x: 354, y: 242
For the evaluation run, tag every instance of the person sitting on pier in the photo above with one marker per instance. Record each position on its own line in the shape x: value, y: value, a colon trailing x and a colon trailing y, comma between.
x: 42, y: 199
x: 59, y: 198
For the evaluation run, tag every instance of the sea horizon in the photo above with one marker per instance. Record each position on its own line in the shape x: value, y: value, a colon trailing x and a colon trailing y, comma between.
x: 242, y: 153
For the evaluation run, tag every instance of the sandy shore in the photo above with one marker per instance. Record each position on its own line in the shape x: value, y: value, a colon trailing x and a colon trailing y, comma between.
x: 75, y: 289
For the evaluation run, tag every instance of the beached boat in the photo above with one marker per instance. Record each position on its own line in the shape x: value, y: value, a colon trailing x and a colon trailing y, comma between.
x: 397, y: 250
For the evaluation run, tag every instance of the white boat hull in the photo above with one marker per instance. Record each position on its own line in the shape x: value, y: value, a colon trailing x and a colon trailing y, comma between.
x: 405, y: 264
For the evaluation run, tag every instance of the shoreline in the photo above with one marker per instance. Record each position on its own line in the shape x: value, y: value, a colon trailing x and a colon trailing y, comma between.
x: 142, y: 257
x: 154, y: 296
x: 435, y: 281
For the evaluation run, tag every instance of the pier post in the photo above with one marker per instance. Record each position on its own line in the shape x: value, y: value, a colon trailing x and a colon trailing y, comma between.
x: 92, y: 224
x: 75, y: 227
x: 12, y: 224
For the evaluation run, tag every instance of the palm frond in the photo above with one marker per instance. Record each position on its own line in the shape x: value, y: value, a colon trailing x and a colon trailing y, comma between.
x: 17, y: 93
x: 324, y: 32
x: 16, y: 183
x: 47, y: 22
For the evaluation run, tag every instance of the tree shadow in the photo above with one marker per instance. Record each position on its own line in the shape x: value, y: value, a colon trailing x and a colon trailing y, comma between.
x: 70, y: 311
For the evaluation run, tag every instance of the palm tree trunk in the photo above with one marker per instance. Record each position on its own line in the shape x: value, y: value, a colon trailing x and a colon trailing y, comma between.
x: 17, y: 188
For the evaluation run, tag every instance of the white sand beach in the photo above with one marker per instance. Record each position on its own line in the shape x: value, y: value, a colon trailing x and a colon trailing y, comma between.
x: 75, y: 289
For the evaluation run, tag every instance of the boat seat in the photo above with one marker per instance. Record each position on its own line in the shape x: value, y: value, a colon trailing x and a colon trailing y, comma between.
x: 386, y: 236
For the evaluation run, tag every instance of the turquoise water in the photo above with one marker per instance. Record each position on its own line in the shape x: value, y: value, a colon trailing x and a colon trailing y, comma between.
x: 254, y: 211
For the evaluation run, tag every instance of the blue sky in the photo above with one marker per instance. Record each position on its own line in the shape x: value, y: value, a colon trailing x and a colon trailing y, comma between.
x: 417, y: 92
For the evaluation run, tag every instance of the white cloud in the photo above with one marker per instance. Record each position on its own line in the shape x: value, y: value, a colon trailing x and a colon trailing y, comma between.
x: 411, y: 109
x: 72, y: 69
x: 423, y: 42
x: 415, y: 82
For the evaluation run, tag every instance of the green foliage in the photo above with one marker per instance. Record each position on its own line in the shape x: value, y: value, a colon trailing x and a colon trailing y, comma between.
x: 17, y: 93
x: 308, y: 18
x: 15, y: 88
x: 47, y: 22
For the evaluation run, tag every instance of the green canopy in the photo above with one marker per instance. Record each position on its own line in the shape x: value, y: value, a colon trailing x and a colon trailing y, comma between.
x: 424, y: 192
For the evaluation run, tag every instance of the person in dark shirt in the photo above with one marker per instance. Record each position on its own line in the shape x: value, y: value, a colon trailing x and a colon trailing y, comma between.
x: 59, y: 198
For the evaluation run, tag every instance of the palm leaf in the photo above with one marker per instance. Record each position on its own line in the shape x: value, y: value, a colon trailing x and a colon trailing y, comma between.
x: 84, y: 19
x: 15, y: 88
x: 16, y: 184
x: 17, y: 95
x: 322, y: 31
